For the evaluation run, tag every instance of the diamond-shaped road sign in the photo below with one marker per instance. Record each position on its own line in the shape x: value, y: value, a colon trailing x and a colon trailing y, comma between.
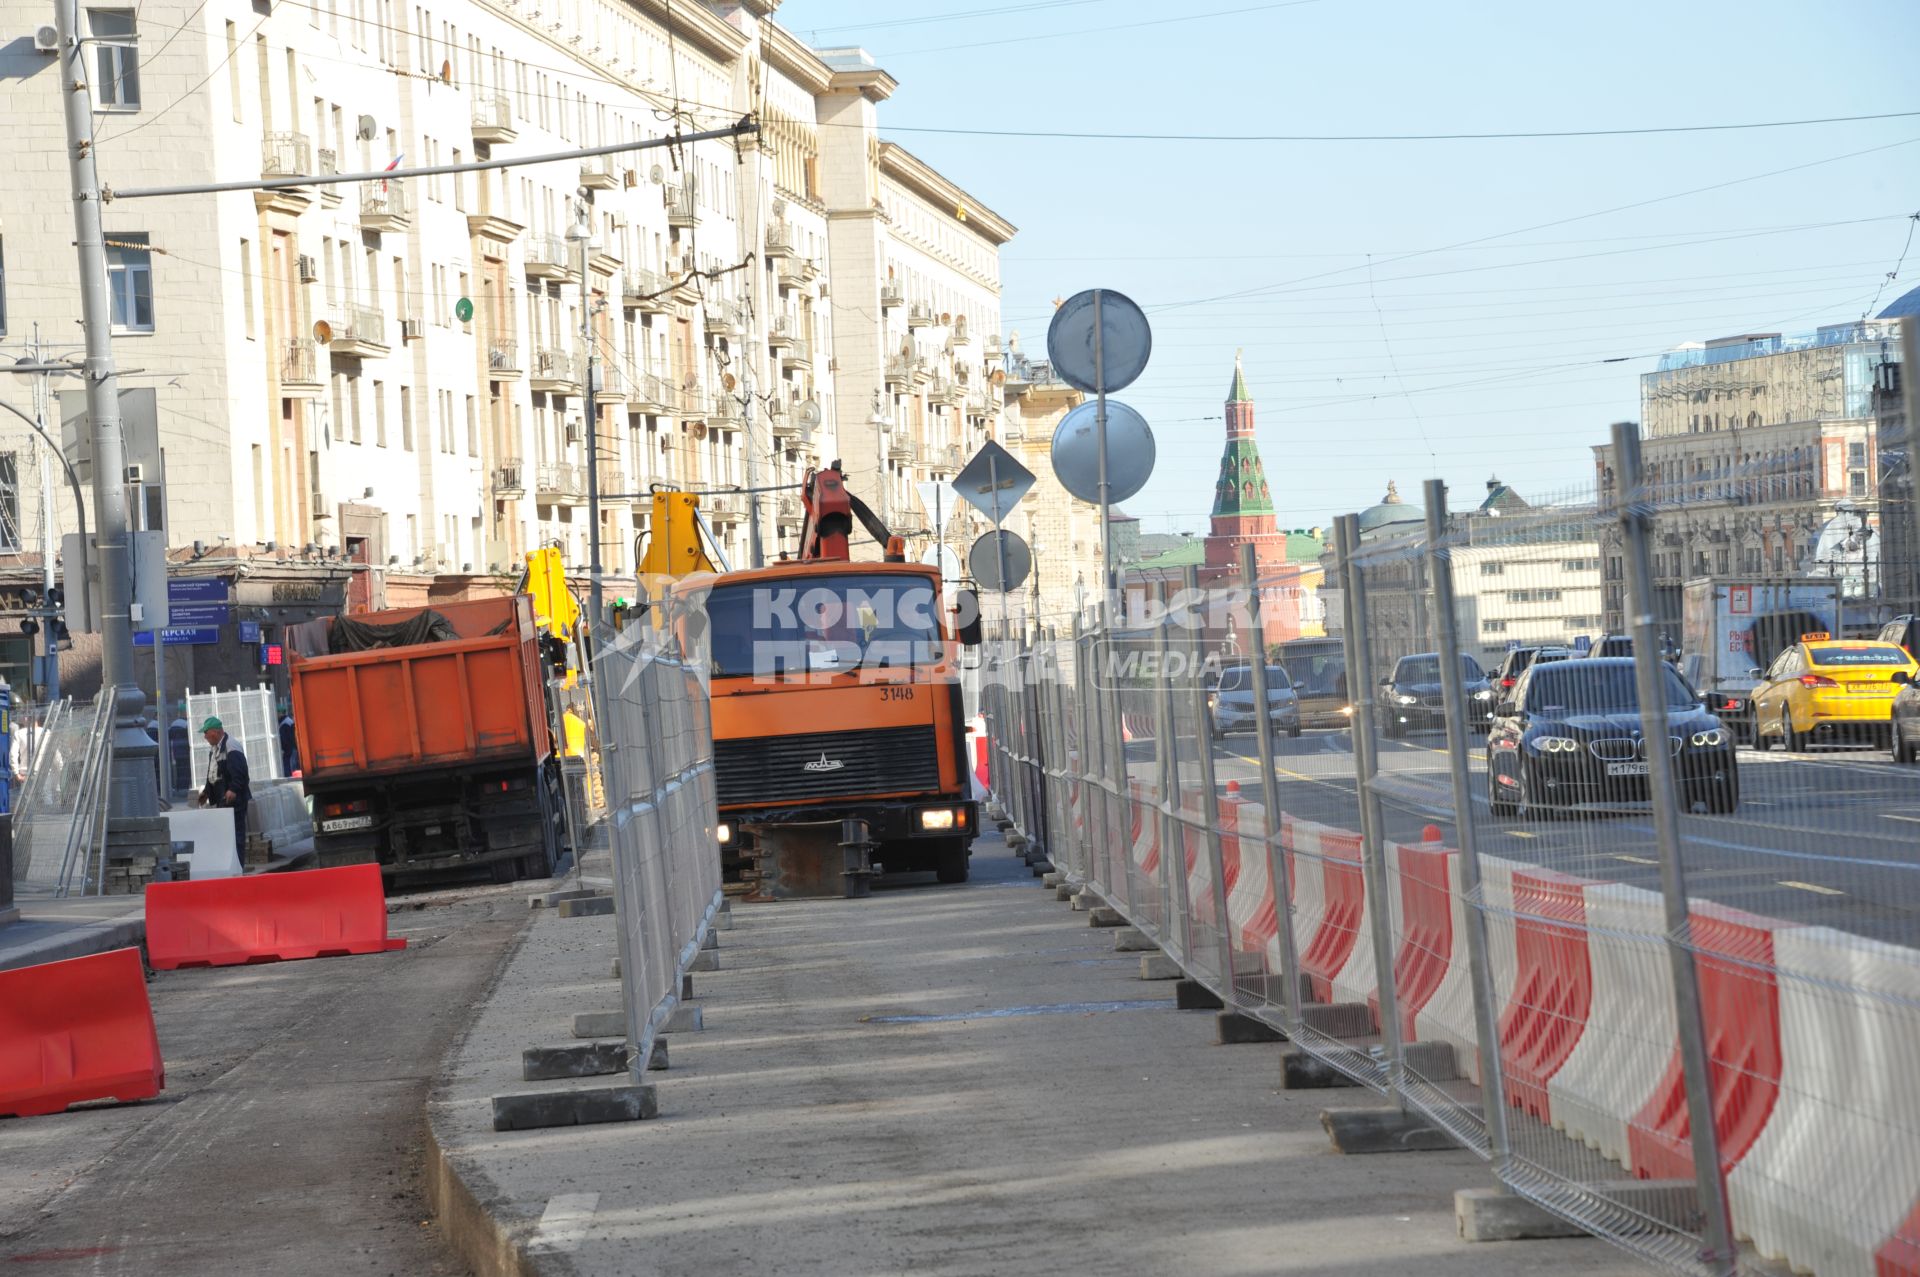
x: 993, y: 482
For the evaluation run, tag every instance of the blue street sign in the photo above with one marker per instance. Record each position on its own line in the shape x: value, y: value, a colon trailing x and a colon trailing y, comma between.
x: 249, y: 631
x: 197, y: 590
x: 1583, y: 644
x: 186, y: 635
x: 190, y: 615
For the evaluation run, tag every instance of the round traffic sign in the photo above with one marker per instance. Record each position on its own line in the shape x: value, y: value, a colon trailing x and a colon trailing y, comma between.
x: 1076, y: 452
x: 1125, y: 341
x: 983, y: 560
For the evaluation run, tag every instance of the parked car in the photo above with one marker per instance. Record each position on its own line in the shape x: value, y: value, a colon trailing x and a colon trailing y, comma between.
x: 1827, y: 689
x: 1232, y: 707
x: 1411, y: 699
x: 1904, y: 630
x: 1517, y: 661
x: 1570, y: 739
x: 1903, y: 732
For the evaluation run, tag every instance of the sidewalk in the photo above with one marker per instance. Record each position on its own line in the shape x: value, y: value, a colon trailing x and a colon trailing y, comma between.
x: 935, y: 1079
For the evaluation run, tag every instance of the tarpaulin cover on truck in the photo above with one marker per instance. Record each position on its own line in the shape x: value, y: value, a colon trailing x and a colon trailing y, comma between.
x: 349, y: 635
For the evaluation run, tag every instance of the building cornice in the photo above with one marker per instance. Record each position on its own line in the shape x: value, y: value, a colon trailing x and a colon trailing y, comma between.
x: 923, y: 179
x: 787, y: 54
x: 698, y: 24
x: 870, y: 82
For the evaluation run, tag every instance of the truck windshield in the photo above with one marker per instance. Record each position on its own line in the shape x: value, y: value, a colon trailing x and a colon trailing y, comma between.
x: 823, y: 624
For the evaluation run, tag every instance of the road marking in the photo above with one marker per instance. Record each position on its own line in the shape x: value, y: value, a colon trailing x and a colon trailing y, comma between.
x: 1814, y: 887
x: 564, y: 1223
x: 1002, y: 1013
x: 1915, y: 820
x: 1521, y: 833
x: 1637, y: 860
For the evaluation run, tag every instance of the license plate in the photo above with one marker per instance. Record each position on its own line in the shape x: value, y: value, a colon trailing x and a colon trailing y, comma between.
x: 1626, y: 769
x: 345, y: 823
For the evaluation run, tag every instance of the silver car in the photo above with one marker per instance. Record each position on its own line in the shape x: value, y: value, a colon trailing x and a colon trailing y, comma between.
x: 1232, y: 707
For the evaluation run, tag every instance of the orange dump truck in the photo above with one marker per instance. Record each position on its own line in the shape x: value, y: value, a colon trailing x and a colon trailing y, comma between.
x: 426, y: 741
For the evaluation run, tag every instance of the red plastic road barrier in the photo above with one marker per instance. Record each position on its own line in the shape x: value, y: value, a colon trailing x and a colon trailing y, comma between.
x: 1899, y: 1255
x: 1426, y: 931
x: 1740, y: 1004
x: 1553, y: 985
x: 1230, y: 837
x: 77, y: 1030
x: 1325, y: 955
x: 225, y: 922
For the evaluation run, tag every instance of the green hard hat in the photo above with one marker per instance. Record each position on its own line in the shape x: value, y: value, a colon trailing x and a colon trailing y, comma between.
x: 212, y: 724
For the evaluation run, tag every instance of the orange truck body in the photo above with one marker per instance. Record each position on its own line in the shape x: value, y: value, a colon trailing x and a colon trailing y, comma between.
x: 430, y: 757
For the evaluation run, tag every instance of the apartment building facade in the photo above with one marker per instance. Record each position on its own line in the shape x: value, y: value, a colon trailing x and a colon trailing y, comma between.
x: 396, y: 370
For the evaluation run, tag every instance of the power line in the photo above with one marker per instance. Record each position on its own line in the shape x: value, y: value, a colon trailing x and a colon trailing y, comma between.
x: 1119, y: 26
x: 953, y: 17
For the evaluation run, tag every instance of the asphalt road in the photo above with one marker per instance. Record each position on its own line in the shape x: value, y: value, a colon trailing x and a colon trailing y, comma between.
x: 1830, y: 836
x: 287, y: 1140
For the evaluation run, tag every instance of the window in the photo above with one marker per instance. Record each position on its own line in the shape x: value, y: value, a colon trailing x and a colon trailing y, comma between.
x: 1857, y: 454
x: 1493, y: 569
x: 379, y: 414
x: 9, y: 502
x: 406, y: 419
x: 3, y: 287
x: 473, y: 430
x: 353, y: 409
x: 1580, y: 565
x: 1856, y: 483
x: 116, y: 68
x: 246, y: 286
x: 1493, y: 627
x: 130, y: 282
x: 233, y: 71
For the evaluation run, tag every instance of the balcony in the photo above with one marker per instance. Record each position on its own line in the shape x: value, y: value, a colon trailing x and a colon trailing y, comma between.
x: 510, y: 478
x: 900, y: 450
x: 609, y: 382
x: 555, y: 371
x: 644, y: 290
x: 920, y: 315
x: 779, y: 239
x: 601, y: 173
x: 790, y: 511
x: 722, y: 507
x: 613, y: 481
x: 798, y: 354
x: 903, y: 369
x: 685, y: 281
x: 650, y: 394
x: 286, y: 155
x: 892, y: 295
x: 299, y: 367
x: 503, y: 357
x: 992, y: 348
x: 948, y: 391
x: 725, y: 318
x: 359, y: 330
x: 327, y: 163
x: 726, y: 413
x: 683, y: 210
x: 559, y: 484
x: 797, y: 272
x: 783, y: 332
x: 689, y: 402
x: 384, y: 206
x: 549, y: 256
x: 493, y: 119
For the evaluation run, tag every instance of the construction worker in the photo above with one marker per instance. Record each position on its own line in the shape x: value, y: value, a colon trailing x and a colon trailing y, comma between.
x: 227, y: 781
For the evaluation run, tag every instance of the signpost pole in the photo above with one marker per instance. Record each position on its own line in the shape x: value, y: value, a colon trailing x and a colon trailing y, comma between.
x: 1100, y: 433
x: 999, y: 541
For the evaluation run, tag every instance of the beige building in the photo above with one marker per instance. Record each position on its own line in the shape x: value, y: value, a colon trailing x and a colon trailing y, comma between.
x: 320, y: 381
x: 1750, y: 445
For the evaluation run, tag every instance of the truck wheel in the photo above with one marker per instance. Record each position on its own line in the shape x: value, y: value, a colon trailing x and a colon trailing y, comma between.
x: 952, y: 863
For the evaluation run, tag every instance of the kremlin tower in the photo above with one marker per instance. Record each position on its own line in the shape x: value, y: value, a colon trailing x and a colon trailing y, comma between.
x: 1242, y: 505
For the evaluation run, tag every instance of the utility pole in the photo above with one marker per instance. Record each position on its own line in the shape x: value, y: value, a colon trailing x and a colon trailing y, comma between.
x: 49, y: 615
x: 582, y: 234
x: 133, y: 789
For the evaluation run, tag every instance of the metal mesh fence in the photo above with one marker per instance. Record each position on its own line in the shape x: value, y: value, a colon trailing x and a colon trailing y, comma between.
x: 657, y: 759
x: 58, y: 820
x: 246, y: 713
x: 1537, y: 892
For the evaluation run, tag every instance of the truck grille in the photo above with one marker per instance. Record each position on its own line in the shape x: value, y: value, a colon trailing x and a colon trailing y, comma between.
x: 772, y: 769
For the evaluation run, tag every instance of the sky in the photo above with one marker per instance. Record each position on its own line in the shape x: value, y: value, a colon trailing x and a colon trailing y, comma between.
x: 1413, y: 309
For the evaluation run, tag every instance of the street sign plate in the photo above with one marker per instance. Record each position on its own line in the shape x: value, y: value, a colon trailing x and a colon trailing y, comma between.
x: 976, y: 482
x: 983, y: 560
x: 210, y: 589
x: 1125, y: 341
x: 193, y: 636
x: 1076, y: 452
x: 189, y: 615
x: 249, y: 631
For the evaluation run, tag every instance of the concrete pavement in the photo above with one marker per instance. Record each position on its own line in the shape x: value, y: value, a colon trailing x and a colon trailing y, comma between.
x: 960, y: 1079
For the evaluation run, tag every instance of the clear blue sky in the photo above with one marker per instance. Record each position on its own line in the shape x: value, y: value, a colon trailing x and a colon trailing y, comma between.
x: 1357, y: 383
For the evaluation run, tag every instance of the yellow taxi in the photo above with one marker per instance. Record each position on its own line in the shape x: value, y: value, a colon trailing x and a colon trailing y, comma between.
x: 1830, y: 689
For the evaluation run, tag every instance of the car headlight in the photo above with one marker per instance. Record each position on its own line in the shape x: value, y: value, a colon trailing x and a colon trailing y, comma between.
x: 723, y: 833
x: 1484, y: 694
x: 1347, y: 710
x: 1405, y: 699
x: 1708, y: 739
x: 937, y: 818
x: 1555, y: 744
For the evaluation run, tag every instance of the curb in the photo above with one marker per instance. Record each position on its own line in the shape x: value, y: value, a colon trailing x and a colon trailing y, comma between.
x: 79, y: 942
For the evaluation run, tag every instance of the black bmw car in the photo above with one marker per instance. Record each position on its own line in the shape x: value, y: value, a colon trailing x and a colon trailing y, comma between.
x: 1569, y: 738
x: 1410, y: 698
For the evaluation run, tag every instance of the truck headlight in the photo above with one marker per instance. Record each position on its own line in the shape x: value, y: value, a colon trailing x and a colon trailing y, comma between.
x: 937, y: 818
x: 723, y: 832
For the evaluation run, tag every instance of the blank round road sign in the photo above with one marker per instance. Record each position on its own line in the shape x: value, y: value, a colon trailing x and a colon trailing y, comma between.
x: 1126, y: 341
x: 1076, y: 452
x: 983, y: 560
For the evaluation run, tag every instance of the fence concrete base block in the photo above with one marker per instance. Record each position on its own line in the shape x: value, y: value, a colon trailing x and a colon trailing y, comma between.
x: 573, y: 1108
x: 1339, y: 1019
x: 1102, y: 916
x: 576, y: 1059
x: 1063, y: 892
x: 1133, y: 940
x: 1270, y: 989
x: 1434, y: 1061
x: 613, y: 969
x: 686, y: 987
x: 1383, y: 1131
x: 706, y: 960
x: 1041, y: 867
x: 1158, y: 966
x: 1495, y: 1215
x: 549, y: 899
x: 1191, y: 995
x: 723, y: 921
x: 1017, y: 843
x: 684, y: 1019
x: 600, y: 1024
x: 1087, y: 899
x: 1300, y: 1071
x: 657, y: 1057
x: 1235, y: 1029
x: 711, y: 940
x: 1053, y: 879
x: 587, y: 907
